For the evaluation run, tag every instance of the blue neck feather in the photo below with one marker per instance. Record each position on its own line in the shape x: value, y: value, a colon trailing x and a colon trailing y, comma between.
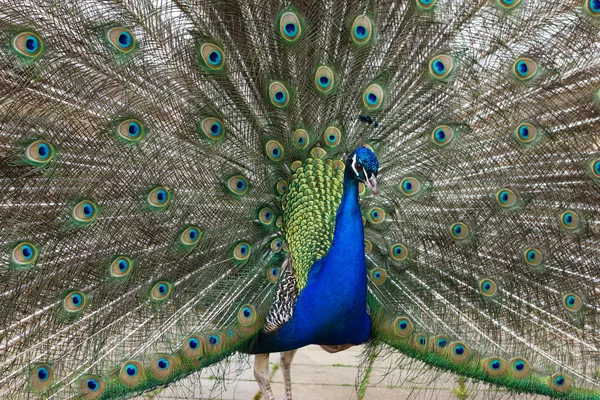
x: 332, y: 307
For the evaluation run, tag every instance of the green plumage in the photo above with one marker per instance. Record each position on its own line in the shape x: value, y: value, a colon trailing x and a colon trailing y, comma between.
x: 160, y: 160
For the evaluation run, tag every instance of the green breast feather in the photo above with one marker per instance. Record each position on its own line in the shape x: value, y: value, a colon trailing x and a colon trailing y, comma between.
x: 309, y: 209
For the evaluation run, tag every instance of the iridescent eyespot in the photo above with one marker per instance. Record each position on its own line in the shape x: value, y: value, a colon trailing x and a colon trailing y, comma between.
x: 560, y: 382
x: 332, y: 136
x: 247, y: 315
x: 121, y: 38
x: 281, y: 187
x: 131, y: 373
x: 508, y: 4
x: 533, y: 256
x: 162, y: 366
x: 376, y: 215
x: 214, y: 341
x: 441, y: 66
x: 403, y: 326
x: 289, y: 26
x: 159, y: 197
x: 459, y: 231
x: 593, y: 7
x: 459, y: 352
x: 420, y: 342
x: 161, y: 290
x: 91, y: 387
x: 276, y: 244
x: 85, y: 212
x: 526, y: 133
x: 442, y: 135
x: 378, y: 276
x: 212, y: 56
x: 273, y: 273
x: 425, y: 4
x: 440, y: 344
x: 506, y: 198
x: 274, y: 150
x: 368, y: 246
x: 39, y: 152
x: 27, y: 44
x: 398, y: 252
x: 241, y: 252
x: 361, y: 30
x: 190, y: 236
x: 266, y: 216
x: 279, y: 94
x: 121, y: 266
x: 520, y: 368
x: 279, y: 221
x: 373, y: 97
x: 487, y: 287
x: 570, y: 220
x: 410, y: 186
x: 524, y: 68
x: 572, y: 302
x: 192, y: 347
x: 24, y: 254
x: 131, y: 130
x: 212, y: 128
x: 495, y: 366
x: 237, y: 185
x: 300, y: 138
x: 40, y: 377
x: 324, y: 79
x: 74, y: 301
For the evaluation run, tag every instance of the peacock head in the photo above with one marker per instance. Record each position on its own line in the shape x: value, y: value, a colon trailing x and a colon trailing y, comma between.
x: 364, y: 165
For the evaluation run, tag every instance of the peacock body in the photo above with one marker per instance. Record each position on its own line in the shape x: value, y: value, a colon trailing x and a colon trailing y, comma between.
x: 186, y: 179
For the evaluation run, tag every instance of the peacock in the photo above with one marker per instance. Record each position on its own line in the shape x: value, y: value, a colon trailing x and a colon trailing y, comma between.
x: 182, y: 180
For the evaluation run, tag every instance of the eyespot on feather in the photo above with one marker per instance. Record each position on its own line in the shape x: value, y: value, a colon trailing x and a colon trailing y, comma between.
x: 524, y: 68
x: 459, y: 231
x: 122, y: 39
x: 487, y: 287
x: 214, y: 342
x: 300, y: 138
x: 276, y: 244
x: 274, y: 150
x: 373, y: 97
x: 131, y: 130
x: 324, y: 79
x: 131, y: 373
x: 212, y: 128
x: 121, y: 267
x: 237, y: 185
x: 290, y: 27
x: 162, y: 366
x: 266, y: 216
x: 533, y: 257
x: 91, y: 387
x: 592, y: 7
x: 332, y: 136
x: 241, y: 252
x: 190, y: 236
x: 27, y: 44
x: 442, y: 135
x: 41, y: 377
x: 24, y: 254
x: 193, y: 347
x: 376, y: 215
x: 279, y: 94
x: 526, y: 133
x: 572, y: 302
x: 161, y: 290
x: 441, y: 66
x: 519, y: 368
x: 425, y: 4
x: 281, y: 187
x: 85, y: 212
x: 439, y: 344
x: 506, y: 198
x: 508, y: 4
x: 273, y: 273
x: 74, y: 301
x: 560, y: 382
x: 495, y: 366
x: 378, y: 276
x: 458, y: 352
x: 39, y: 152
x: 398, y: 252
x: 403, y: 327
x: 361, y: 30
x: 410, y: 186
x: 570, y: 220
x: 212, y: 56
x: 368, y: 246
x: 420, y: 342
x: 247, y: 315
x: 159, y: 197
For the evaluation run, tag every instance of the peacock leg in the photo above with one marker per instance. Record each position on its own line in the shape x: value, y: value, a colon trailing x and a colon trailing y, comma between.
x: 261, y: 374
x: 286, y: 362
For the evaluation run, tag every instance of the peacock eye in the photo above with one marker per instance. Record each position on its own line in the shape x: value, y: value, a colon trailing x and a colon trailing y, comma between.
x: 425, y: 4
x: 274, y: 150
x: 289, y: 26
x: 130, y: 130
x: 593, y: 7
x: 241, y: 252
x: 332, y: 136
x: 524, y: 68
x: 442, y: 135
x: 279, y: 94
x: 39, y: 152
x: 487, y: 287
x: 508, y: 4
x: 121, y: 38
x: 158, y: 198
x: 74, y: 301
x: 441, y: 66
x: 161, y: 290
x: 121, y: 267
x: 85, y: 212
x: 373, y: 97
x: 212, y: 56
x: 237, y: 185
x: 27, y: 44
x: 324, y: 79
x: 24, y: 254
x: 361, y: 31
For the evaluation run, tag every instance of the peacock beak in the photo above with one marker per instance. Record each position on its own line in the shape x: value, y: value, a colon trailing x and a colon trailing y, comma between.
x: 371, y: 183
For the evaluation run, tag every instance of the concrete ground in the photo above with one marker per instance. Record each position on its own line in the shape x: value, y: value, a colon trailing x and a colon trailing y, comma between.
x: 317, y: 375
